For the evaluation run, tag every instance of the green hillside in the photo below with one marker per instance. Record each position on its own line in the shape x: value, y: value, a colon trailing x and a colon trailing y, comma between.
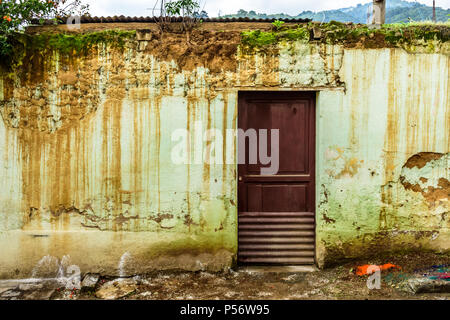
x: 397, y: 11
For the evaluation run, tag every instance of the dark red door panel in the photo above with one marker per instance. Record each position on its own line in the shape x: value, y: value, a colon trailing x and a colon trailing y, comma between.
x: 276, y: 212
x: 276, y: 197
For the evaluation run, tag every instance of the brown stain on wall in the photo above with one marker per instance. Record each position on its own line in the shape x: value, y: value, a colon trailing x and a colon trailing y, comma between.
x: 46, y: 138
x: 412, y: 123
x: 189, y: 158
x: 393, y: 119
x: 391, y: 144
x: 224, y: 146
x: 28, y: 106
x: 79, y: 97
x: 206, y: 176
x: 214, y: 50
x: 327, y: 219
x: 351, y: 165
x: 115, y: 94
x: 421, y: 159
x: 431, y: 194
x: 55, y: 158
x: 270, y: 77
x: 136, y: 156
x: 351, y: 168
x: 156, y: 157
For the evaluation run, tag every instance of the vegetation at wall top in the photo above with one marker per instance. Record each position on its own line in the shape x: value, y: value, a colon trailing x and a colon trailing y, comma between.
x: 78, y: 43
x: 258, y: 38
x: 17, y: 14
x: 351, y: 35
x: 26, y: 45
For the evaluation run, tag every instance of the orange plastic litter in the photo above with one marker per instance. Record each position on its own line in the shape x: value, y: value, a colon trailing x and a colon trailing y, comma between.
x: 363, y: 270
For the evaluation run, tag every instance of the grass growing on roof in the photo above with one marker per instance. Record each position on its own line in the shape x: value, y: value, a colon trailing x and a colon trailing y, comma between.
x: 64, y: 43
x: 81, y: 43
x: 333, y: 32
x: 258, y: 38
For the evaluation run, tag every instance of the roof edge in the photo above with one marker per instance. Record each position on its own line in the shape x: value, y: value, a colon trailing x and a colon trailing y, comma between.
x: 124, y: 19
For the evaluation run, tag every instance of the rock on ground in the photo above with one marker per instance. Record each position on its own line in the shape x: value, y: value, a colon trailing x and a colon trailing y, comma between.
x: 89, y: 281
x: 116, y: 289
x: 39, y: 294
x: 425, y: 285
x: 10, y: 294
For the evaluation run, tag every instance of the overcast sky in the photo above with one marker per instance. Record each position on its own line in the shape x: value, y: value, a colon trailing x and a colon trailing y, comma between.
x: 293, y: 7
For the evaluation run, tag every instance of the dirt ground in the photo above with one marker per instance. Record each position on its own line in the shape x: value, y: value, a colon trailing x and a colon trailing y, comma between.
x: 335, y: 283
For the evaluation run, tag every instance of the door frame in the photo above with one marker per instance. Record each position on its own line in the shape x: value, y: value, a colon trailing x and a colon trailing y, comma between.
x: 289, y: 95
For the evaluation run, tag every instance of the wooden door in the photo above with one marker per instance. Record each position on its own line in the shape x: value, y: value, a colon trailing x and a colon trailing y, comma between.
x: 277, y: 212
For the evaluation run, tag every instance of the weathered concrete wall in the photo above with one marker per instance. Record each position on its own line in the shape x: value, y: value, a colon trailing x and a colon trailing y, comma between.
x: 384, y: 161
x: 86, y: 152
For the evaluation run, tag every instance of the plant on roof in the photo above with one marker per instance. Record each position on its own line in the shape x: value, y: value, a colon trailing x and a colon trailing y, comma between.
x: 277, y: 24
x: 258, y: 39
x: 184, y: 8
x: 188, y: 10
x: 17, y: 14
